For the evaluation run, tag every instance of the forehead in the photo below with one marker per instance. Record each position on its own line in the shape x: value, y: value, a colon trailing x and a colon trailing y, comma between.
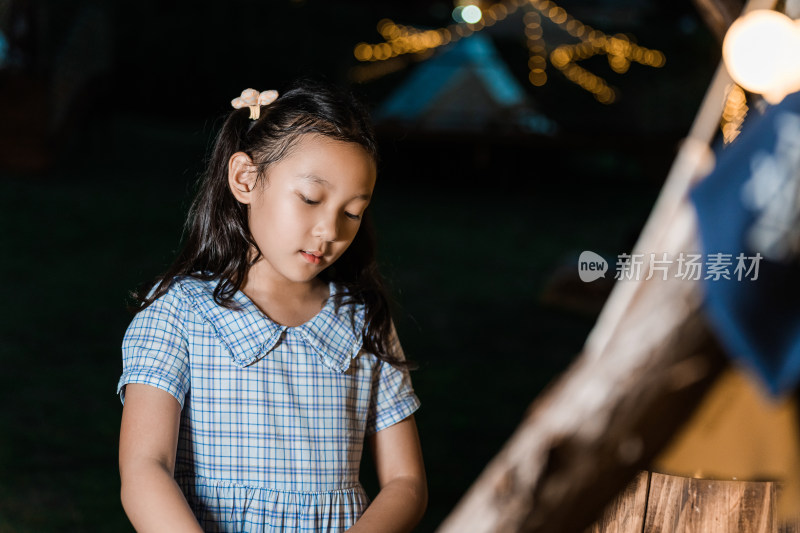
x: 317, y: 159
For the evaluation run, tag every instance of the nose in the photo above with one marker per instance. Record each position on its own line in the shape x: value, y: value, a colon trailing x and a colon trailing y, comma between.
x: 327, y: 228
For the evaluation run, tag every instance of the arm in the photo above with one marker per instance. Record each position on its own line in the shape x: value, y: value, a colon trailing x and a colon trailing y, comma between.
x: 147, y: 443
x: 403, y: 497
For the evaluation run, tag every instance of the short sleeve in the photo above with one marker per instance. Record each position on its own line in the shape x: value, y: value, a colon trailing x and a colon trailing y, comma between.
x: 393, y: 397
x: 155, y: 348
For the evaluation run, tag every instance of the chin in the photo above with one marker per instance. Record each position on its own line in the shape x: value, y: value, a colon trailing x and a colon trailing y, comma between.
x: 304, y: 277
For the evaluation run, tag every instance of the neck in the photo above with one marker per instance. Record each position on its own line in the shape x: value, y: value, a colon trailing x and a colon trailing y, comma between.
x: 260, y: 280
x: 287, y: 303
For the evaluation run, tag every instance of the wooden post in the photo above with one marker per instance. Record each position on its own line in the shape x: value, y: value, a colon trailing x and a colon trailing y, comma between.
x: 644, y: 368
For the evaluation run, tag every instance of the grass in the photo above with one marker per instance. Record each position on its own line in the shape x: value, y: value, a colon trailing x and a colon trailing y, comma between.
x: 467, y: 266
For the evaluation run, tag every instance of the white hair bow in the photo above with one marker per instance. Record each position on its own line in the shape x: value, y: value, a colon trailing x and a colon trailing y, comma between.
x: 254, y: 100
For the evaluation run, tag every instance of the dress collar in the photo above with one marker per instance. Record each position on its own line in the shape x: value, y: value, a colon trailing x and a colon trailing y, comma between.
x: 248, y: 334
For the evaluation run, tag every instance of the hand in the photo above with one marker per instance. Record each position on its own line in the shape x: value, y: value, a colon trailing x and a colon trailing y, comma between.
x: 401, y: 502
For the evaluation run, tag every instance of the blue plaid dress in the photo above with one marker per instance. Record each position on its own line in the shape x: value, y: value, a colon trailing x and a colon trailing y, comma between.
x: 273, y: 418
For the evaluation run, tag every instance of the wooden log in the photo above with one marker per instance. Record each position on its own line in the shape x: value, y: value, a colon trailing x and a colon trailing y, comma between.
x: 591, y: 433
x: 646, y: 365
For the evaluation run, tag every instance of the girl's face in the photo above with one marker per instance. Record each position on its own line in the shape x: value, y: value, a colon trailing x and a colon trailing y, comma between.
x: 307, y: 211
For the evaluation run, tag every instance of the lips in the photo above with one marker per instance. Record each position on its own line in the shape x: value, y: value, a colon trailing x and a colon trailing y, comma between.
x: 312, y: 257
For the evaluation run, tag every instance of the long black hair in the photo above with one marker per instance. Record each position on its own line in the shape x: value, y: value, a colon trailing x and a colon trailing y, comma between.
x: 218, y: 243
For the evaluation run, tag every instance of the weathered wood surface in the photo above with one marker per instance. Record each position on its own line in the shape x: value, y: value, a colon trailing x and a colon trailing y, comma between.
x: 686, y: 505
x: 661, y: 503
x: 626, y: 513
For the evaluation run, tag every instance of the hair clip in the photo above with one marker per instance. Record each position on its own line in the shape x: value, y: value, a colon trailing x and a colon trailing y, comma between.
x: 254, y: 100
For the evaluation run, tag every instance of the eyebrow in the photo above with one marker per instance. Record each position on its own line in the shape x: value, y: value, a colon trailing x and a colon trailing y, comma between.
x: 315, y: 179
x: 325, y: 183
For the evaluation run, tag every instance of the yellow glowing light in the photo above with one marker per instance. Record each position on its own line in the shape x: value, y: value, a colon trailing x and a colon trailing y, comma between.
x: 560, y: 16
x: 619, y: 49
x: 471, y: 14
x: 618, y: 63
x: 383, y: 27
x: 500, y: 11
x: 362, y: 51
x: 733, y: 114
x: 536, y: 62
x: 530, y: 16
x: 533, y: 32
x: 537, y: 78
x: 559, y: 57
x: 761, y: 51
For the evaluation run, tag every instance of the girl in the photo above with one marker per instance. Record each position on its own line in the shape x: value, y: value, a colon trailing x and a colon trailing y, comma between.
x: 259, y: 363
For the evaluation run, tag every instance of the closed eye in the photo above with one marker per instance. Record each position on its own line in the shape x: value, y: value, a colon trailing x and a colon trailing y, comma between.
x: 309, y: 201
x: 351, y: 216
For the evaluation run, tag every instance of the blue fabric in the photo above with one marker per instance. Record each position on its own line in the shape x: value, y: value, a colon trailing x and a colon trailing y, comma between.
x: 273, y: 417
x: 749, y: 205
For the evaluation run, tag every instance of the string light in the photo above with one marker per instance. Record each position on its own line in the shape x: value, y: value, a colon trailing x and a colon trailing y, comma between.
x: 733, y: 113
x: 537, y: 58
x: 619, y: 49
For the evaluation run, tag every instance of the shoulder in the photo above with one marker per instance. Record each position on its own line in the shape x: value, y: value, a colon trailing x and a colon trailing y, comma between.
x: 183, y: 296
x: 186, y: 292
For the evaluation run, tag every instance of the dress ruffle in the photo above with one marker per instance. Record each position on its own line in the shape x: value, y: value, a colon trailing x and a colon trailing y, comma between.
x: 224, y: 506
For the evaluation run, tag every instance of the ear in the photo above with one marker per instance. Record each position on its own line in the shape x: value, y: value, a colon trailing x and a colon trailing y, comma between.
x: 242, y: 177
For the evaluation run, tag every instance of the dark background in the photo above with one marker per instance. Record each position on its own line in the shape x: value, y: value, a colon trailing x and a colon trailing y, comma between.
x: 106, y: 113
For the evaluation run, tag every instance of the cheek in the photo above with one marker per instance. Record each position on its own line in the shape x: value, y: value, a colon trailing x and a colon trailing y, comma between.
x: 271, y: 217
x: 348, y: 235
x: 351, y: 229
x: 259, y: 221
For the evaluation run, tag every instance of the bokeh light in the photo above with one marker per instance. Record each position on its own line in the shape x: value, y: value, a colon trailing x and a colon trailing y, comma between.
x: 471, y: 14
x: 621, y: 51
x: 761, y: 51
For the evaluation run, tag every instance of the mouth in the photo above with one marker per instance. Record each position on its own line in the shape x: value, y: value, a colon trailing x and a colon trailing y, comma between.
x: 312, y: 257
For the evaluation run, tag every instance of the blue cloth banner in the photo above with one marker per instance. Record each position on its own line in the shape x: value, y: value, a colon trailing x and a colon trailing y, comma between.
x: 749, y: 210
